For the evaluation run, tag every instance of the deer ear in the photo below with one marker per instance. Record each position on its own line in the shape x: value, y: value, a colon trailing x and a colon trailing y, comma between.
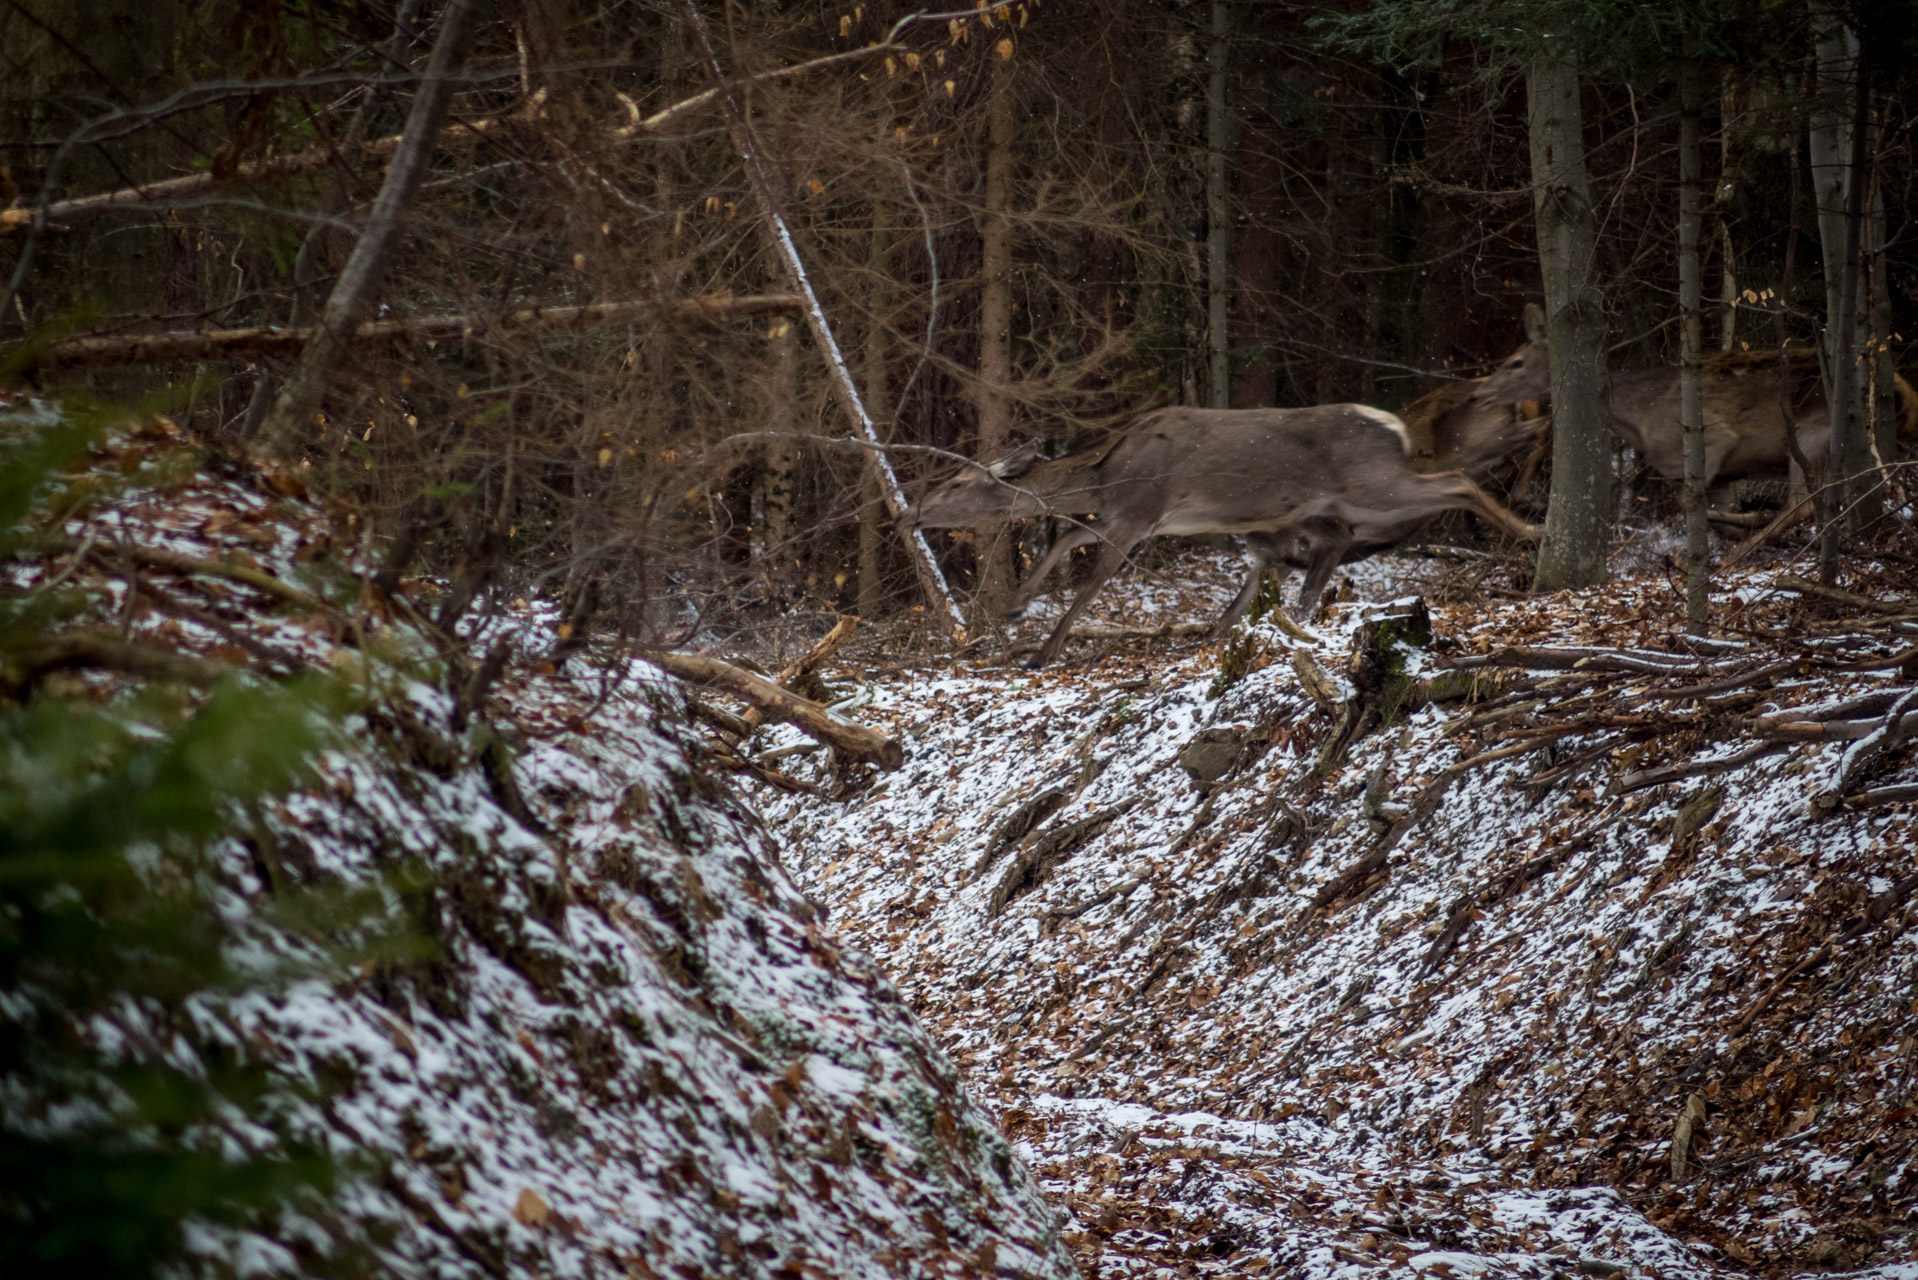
x: 1016, y: 463
x: 1534, y: 322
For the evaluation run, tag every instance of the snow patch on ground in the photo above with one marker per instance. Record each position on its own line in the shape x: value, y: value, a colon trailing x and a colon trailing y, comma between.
x: 1217, y: 1076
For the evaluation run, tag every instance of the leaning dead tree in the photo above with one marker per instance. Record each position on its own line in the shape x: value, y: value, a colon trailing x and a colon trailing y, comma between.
x: 931, y: 578
x: 353, y: 294
x: 265, y: 340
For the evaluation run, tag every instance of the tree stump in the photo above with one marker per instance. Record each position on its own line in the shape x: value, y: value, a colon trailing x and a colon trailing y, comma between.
x: 1382, y: 689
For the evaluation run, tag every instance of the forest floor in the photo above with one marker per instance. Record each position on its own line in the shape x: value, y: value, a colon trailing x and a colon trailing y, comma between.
x: 1568, y: 978
x: 1594, y: 956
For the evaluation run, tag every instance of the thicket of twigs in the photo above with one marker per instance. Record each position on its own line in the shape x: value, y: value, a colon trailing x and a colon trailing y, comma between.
x: 588, y: 373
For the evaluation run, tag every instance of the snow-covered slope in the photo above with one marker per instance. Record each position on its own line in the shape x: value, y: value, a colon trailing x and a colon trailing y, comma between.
x: 633, y: 1050
x: 1470, y: 1058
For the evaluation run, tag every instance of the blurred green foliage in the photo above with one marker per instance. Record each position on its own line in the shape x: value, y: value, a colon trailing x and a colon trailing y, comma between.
x: 131, y: 1107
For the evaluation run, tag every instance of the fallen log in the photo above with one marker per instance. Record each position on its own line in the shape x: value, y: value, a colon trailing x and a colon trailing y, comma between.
x: 783, y: 705
x: 810, y: 662
x: 1788, y: 731
x: 168, y: 191
x: 1120, y: 890
x: 1548, y: 659
x: 1116, y: 631
x: 1422, y: 808
x: 721, y: 719
x: 1697, y: 768
x: 1872, y: 752
x: 1791, y: 515
x: 1800, y: 586
x: 1865, y: 704
x: 175, y: 562
x: 1041, y: 853
x: 108, y: 654
x: 191, y: 566
x: 771, y: 777
x: 1726, y: 685
x: 1903, y: 793
x: 286, y: 661
x: 266, y: 340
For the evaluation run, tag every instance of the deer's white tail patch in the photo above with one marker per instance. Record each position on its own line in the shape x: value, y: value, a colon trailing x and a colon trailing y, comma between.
x: 1390, y: 421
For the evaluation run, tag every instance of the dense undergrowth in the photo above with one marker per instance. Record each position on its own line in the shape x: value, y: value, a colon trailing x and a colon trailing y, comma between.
x: 517, y: 986
x: 1579, y: 966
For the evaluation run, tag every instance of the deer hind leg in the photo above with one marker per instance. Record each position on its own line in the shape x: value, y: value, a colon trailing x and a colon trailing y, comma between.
x: 1264, y: 549
x: 1718, y: 447
x: 1111, y: 556
x: 1066, y: 543
x: 1326, y: 543
x: 1465, y: 493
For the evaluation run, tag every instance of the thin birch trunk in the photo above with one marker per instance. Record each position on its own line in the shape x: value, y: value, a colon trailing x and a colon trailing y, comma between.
x: 1691, y: 411
x: 289, y: 423
x: 931, y: 578
x: 1218, y: 287
x: 1578, y: 520
x: 995, y: 333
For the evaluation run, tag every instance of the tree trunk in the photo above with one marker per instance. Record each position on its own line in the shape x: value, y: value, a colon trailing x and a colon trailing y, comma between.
x: 1728, y: 266
x: 1218, y: 286
x: 1396, y: 333
x: 289, y: 423
x: 1578, y: 520
x: 990, y: 549
x: 784, y: 705
x: 1849, y: 501
x: 872, y: 508
x: 781, y: 460
x: 871, y: 589
x: 1833, y: 144
x: 1884, y: 369
x: 1798, y: 483
x: 1691, y: 410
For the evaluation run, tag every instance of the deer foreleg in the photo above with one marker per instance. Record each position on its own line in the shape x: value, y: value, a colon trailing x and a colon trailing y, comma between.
x: 1062, y: 546
x: 1111, y: 556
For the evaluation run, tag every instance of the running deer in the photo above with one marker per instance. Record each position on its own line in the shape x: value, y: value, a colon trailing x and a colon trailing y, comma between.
x: 1476, y: 424
x: 1316, y: 481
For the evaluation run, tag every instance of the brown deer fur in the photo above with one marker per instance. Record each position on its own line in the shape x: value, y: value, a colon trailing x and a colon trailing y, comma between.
x: 1325, y: 479
x: 1475, y: 425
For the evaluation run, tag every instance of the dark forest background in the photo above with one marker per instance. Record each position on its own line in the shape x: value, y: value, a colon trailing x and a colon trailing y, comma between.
x: 1370, y: 174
